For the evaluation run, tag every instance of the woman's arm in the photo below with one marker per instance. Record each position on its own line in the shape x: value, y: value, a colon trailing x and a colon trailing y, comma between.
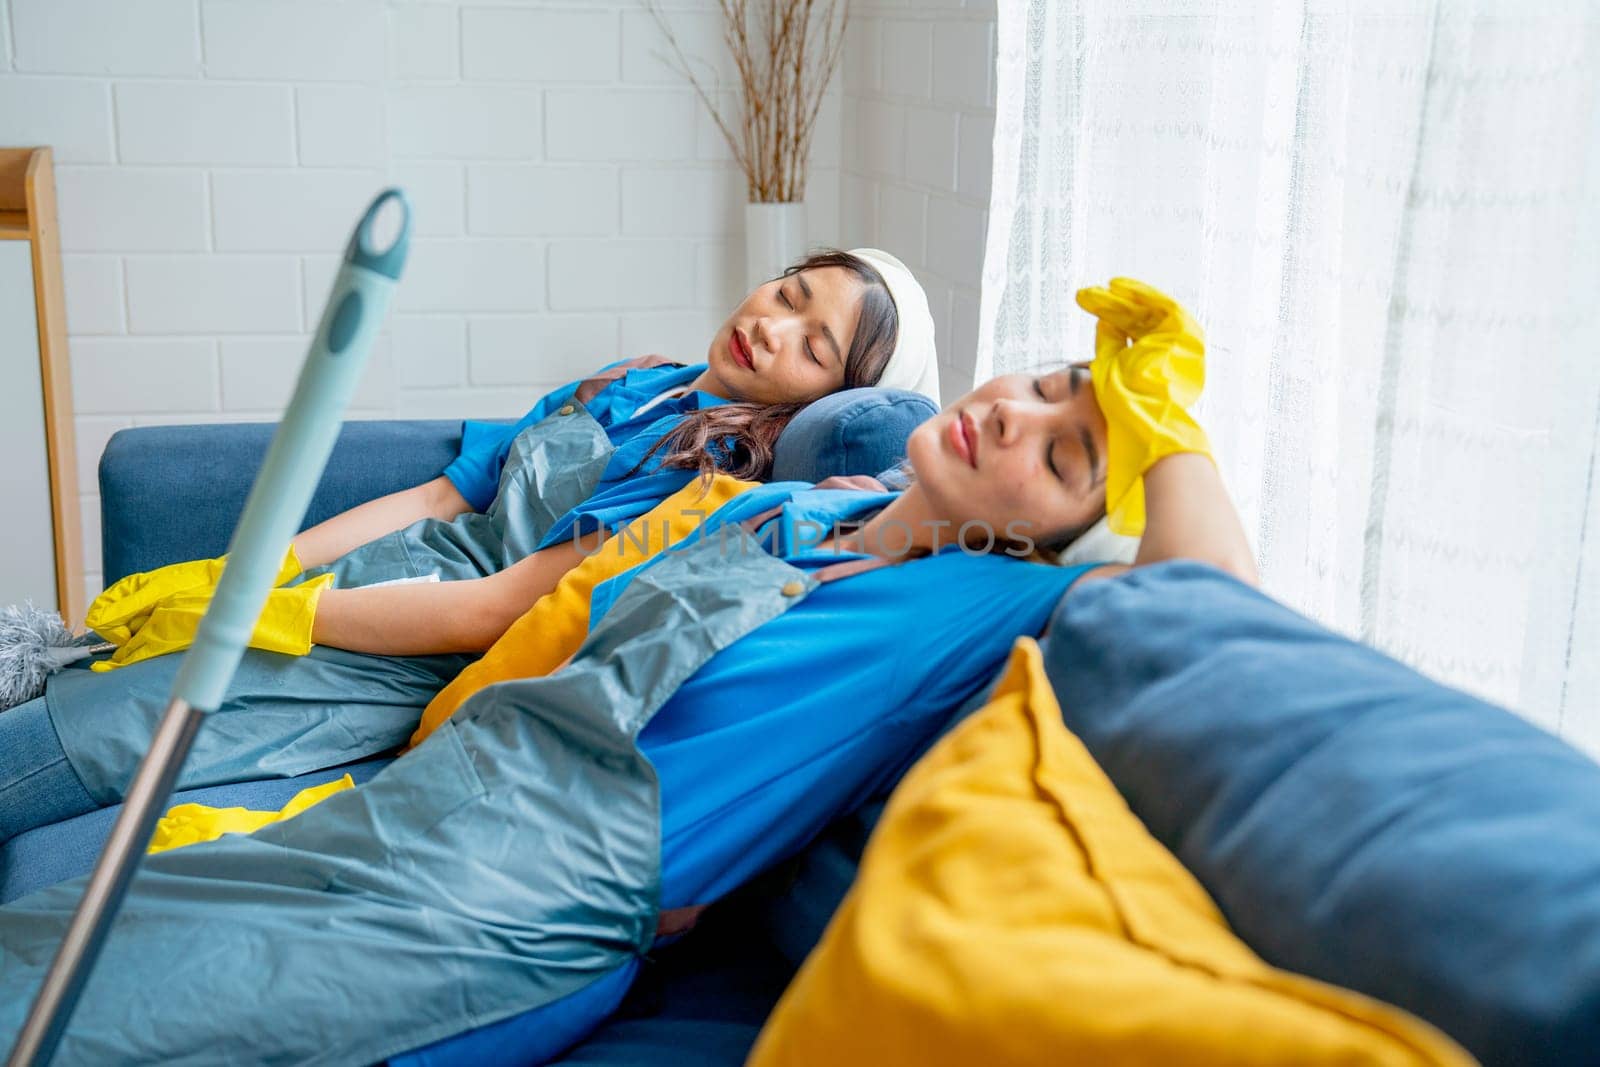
x: 423, y: 618
x: 1148, y: 368
x: 1188, y: 515
x: 328, y: 540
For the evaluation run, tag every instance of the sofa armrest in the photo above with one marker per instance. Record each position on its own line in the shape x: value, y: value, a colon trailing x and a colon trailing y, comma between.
x: 170, y: 493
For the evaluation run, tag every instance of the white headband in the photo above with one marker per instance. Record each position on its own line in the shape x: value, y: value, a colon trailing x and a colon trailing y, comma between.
x: 914, y: 364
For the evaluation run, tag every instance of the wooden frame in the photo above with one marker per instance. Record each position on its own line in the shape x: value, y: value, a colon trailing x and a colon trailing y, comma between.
x: 28, y: 213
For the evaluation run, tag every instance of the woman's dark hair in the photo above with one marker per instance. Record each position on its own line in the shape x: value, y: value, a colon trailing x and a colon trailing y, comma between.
x: 740, y: 439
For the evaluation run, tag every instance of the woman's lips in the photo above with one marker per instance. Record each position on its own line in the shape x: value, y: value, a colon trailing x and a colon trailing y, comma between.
x: 964, y: 438
x: 740, y: 349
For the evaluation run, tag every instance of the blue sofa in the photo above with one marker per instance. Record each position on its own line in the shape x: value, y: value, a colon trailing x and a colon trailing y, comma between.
x: 1355, y: 821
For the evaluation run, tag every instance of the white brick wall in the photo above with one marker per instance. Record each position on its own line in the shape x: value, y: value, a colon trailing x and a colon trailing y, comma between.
x: 212, y: 294
x: 124, y: 209
x: 515, y: 44
x: 71, y: 115
x: 154, y: 37
x: 340, y: 126
x: 620, y: 124
x: 574, y: 202
x: 918, y: 129
x: 543, y: 199
x: 527, y: 350
x: 205, y: 123
x: 473, y: 275
x: 291, y: 40
x: 96, y: 285
x: 464, y: 122
x: 424, y: 42
x: 299, y: 211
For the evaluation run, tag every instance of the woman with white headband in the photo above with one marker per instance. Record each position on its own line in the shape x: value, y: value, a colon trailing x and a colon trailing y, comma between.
x: 420, y: 577
x: 835, y: 320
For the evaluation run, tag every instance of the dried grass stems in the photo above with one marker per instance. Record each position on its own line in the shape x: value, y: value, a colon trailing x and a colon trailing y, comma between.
x: 785, y: 53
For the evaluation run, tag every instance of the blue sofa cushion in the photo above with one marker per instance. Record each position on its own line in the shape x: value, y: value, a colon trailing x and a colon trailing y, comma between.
x: 858, y: 431
x: 171, y: 493
x: 1356, y: 821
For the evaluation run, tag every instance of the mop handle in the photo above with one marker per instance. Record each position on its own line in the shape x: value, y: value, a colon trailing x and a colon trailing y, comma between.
x: 282, y: 490
x: 300, y: 449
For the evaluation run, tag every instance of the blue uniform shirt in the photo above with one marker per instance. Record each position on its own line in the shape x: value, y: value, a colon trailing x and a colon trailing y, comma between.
x: 475, y: 472
x: 630, y: 485
x: 824, y: 706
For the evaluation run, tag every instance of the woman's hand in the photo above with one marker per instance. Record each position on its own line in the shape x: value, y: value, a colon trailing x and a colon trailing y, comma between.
x: 119, y: 612
x: 284, y: 625
x: 1149, y: 368
x: 1161, y: 481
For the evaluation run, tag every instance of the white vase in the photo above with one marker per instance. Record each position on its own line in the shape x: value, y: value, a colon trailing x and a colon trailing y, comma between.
x: 774, y: 237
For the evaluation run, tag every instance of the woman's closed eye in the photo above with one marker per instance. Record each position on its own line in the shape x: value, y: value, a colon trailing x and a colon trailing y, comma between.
x: 806, y: 341
x: 1049, y: 442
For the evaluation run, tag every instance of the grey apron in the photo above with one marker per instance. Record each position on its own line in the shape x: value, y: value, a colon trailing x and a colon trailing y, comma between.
x: 287, y: 715
x: 553, y: 467
x: 510, y: 860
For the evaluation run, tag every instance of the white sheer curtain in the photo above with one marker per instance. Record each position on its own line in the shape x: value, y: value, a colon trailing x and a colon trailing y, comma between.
x: 1386, y: 214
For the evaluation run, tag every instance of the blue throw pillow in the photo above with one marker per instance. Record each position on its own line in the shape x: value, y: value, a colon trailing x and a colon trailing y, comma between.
x: 858, y: 431
x: 1355, y: 821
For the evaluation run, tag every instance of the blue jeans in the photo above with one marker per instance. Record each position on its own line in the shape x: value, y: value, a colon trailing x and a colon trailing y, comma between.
x: 37, y: 784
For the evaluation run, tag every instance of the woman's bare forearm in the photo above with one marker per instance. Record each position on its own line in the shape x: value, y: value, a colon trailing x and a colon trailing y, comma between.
x: 328, y: 540
x: 407, y: 620
x: 424, y: 618
x: 1189, y: 515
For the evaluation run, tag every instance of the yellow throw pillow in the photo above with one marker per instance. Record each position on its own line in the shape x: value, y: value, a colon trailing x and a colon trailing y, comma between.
x: 1010, y: 909
x: 549, y: 633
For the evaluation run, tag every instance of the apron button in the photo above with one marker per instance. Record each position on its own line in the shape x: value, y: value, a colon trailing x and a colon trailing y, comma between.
x: 566, y: 409
x: 793, y: 588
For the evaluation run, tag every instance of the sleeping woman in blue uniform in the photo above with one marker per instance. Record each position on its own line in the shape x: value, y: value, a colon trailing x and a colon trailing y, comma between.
x: 732, y: 697
x: 381, y: 606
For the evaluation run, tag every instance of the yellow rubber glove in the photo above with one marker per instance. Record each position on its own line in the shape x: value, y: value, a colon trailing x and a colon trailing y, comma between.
x: 1149, y: 367
x: 189, y: 824
x: 122, y: 609
x: 284, y: 625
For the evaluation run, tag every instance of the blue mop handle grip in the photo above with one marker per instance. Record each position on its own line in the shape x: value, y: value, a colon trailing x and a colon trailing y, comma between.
x: 299, y: 451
